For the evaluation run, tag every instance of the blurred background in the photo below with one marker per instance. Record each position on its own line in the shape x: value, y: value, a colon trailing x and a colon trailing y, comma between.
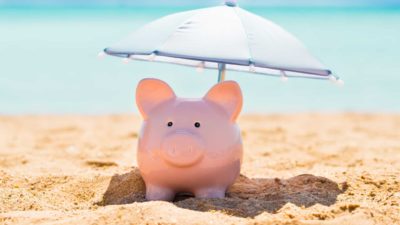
x: 49, y: 63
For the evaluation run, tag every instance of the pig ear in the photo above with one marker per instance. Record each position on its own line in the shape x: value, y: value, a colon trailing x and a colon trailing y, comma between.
x: 150, y: 93
x: 228, y: 95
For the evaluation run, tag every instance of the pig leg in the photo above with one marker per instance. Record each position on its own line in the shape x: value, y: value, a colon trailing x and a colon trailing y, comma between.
x: 210, y: 192
x: 155, y: 193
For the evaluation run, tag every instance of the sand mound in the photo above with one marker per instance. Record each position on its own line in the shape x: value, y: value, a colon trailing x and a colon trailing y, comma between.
x: 124, y: 189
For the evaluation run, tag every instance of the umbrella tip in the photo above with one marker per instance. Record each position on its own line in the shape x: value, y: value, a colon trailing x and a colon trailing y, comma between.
x: 125, y: 60
x: 231, y: 3
x: 200, y: 67
x: 336, y: 80
x: 340, y: 82
x: 284, y: 77
x: 101, y: 54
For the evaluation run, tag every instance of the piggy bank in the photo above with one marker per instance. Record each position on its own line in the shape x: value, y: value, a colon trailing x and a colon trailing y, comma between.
x: 188, y: 145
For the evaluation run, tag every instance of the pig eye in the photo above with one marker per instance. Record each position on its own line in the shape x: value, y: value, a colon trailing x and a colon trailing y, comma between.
x: 197, y: 124
x: 169, y: 124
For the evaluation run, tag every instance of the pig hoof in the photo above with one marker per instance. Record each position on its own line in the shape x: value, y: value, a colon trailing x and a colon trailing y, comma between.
x: 154, y: 193
x: 210, y: 193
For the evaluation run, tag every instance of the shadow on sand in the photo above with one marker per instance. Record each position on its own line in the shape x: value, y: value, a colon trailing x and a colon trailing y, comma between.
x: 246, y: 198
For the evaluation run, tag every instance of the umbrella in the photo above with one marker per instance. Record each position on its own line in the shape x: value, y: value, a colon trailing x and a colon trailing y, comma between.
x: 224, y: 37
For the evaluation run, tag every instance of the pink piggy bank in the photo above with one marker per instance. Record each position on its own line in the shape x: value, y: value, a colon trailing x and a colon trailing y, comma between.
x: 188, y: 145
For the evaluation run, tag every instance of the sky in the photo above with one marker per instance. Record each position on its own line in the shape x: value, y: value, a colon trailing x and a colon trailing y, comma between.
x: 198, y: 2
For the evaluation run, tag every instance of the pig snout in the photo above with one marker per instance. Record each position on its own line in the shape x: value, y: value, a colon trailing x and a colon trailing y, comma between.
x: 182, y: 149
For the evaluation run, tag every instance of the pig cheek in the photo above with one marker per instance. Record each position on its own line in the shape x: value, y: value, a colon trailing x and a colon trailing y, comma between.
x: 221, y: 153
x: 150, y: 142
x: 224, y: 147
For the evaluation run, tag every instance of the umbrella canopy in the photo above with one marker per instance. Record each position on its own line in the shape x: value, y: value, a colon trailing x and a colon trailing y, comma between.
x: 222, y: 37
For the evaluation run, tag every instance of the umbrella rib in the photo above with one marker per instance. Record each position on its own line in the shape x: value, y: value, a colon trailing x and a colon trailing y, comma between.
x: 245, y: 33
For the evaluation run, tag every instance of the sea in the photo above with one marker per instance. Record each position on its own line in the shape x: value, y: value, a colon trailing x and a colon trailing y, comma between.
x: 49, y: 62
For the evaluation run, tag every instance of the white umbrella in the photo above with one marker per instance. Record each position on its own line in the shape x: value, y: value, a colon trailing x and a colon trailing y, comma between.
x: 225, y: 38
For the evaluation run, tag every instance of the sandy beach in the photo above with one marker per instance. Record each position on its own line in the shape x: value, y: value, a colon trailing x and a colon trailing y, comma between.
x: 297, y: 169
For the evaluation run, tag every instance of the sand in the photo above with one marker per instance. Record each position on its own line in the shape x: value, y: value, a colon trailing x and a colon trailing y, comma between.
x: 297, y: 169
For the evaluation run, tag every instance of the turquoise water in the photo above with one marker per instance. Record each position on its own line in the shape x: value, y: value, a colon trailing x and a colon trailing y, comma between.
x: 49, y: 64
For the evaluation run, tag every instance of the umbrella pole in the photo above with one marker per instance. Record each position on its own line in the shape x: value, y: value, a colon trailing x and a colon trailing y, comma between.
x: 221, y: 72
